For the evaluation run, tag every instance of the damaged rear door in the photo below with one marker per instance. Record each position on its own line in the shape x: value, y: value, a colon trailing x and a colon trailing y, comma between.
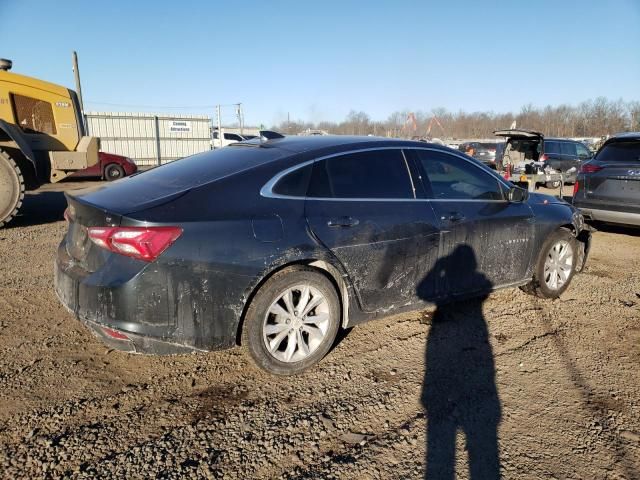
x: 472, y: 210
x: 362, y: 206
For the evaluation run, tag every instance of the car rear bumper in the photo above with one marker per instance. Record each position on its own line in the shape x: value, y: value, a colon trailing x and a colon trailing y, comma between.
x: 610, y: 216
x: 142, y: 311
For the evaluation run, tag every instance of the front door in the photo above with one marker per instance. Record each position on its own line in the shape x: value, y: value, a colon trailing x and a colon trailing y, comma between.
x: 362, y: 207
x: 470, y: 204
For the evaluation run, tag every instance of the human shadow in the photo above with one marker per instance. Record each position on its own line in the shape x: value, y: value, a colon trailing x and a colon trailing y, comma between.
x: 459, y: 391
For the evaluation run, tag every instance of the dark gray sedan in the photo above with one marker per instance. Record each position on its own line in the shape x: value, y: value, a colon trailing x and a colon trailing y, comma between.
x: 279, y: 242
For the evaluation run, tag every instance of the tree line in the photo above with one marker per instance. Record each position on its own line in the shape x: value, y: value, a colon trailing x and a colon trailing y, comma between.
x: 592, y: 118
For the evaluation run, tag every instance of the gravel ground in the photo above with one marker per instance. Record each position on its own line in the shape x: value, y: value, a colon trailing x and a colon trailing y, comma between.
x: 542, y: 389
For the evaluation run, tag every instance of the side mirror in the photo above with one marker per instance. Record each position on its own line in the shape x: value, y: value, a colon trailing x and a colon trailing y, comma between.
x: 517, y: 194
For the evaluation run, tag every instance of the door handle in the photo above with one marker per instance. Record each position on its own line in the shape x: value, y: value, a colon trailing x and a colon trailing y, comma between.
x: 453, y: 217
x: 343, y: 222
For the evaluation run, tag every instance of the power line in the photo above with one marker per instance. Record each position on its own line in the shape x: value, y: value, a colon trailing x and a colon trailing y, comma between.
x: 128, y: 105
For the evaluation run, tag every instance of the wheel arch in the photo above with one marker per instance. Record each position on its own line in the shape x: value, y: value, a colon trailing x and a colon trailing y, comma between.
x: 19, y: 143
x: 325, y: 267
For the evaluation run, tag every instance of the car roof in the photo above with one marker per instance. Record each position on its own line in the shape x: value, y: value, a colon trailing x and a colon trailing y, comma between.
x: 304, y: 143
x: 623, y: 137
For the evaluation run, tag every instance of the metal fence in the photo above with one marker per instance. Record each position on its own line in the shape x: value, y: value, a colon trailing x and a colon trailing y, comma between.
x: 150, y: 139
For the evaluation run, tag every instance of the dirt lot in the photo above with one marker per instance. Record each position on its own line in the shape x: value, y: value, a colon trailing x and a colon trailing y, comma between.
x: 550, y: 388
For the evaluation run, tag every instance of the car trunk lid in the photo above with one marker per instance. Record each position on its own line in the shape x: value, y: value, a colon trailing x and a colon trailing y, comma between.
x: 517, y: 134
x: 81, y: 216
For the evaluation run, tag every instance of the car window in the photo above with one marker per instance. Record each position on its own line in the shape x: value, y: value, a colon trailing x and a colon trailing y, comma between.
x: 294, y: 183
x: 453, y: 178
x: 620, y: 152
x: 232, y: 136
x: 568, y: 148
x: 551, y: 147
x: 583, y: 151
x: 371, y: 174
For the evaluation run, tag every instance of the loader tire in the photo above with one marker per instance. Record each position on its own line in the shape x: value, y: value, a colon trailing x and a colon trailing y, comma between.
x: 11, y: 188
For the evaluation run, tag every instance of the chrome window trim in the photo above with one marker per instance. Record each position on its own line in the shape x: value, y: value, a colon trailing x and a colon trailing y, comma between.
x: 267, y: 189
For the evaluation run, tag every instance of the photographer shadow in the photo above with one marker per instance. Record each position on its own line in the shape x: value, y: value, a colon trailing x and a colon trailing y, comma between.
x: 459, y: 390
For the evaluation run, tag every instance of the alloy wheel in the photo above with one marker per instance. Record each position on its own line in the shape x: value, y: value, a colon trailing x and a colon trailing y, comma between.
x: 296, y: 323
x: 558, y: 265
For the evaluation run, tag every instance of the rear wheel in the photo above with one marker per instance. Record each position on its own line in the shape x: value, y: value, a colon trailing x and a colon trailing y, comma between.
x: 11, y: 188
x: 113, y: 172
x: 292, y: 321
x: 556, y: 265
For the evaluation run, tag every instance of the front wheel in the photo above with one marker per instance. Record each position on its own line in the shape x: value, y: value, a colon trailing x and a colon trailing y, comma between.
x: 292, y: 321
x: 113, y: 172
x: 556, y: 265
x: 11, y: 188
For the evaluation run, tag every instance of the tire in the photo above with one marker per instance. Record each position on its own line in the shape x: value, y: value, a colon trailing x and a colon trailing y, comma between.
x: 113, y: 172
x: 554, y: 184
x: 542, y: 284
x: 293, y: 347
x: 11, y: 188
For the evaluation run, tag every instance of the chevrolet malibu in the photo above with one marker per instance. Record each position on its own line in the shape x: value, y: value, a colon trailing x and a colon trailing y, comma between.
x: 278, y: 242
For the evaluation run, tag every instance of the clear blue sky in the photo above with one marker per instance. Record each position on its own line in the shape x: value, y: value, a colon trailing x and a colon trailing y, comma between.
x: 318, y: 60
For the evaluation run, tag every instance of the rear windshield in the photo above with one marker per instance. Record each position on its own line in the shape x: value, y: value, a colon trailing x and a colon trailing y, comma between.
x: 620, y: 152
x: 206, y: 167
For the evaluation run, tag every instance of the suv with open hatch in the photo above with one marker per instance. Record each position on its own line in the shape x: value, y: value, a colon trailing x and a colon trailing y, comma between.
x: 561, y: 155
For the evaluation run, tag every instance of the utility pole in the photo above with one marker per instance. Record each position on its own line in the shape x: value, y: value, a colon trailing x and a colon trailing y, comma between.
x: 240, y: 117
x: 288, y: 123
x: 76, y: 72
x: 219, y: 126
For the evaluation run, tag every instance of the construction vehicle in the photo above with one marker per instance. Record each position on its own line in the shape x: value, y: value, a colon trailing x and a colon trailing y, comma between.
x: 42, y: 137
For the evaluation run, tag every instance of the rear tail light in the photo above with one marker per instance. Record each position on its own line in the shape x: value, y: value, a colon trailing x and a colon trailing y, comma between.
x: 588, y: 168
x: 143, y: 243
x: 576, y: 187
x: 543, y: 158
x: 114, y: 333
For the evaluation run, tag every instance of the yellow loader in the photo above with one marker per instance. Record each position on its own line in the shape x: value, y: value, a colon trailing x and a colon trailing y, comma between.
x: 42, y: 137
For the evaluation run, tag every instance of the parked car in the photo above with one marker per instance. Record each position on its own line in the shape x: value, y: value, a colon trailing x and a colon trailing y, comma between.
x: 484, y: 152
x: 608, y: 186
x: 279, y: 243
x: 228, y: 138
x: 109, y: 167
x: 560, y: 154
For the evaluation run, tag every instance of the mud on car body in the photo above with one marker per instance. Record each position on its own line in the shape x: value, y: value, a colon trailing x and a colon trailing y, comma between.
x: 279, y: 242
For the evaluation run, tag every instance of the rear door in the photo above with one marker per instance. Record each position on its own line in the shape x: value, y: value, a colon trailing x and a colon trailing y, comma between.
x: 362, y: 206
x: 472, y: 210
x: 617, y: 185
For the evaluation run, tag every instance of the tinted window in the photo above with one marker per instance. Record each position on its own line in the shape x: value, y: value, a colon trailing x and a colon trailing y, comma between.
x: 568, y: 148
x: 452, y: 178
x: 583, y: 151
x: 374, y: 174
x: 620, y: 152
x: 551, y: 147
x: 232, y: 136
x: 294, y: 184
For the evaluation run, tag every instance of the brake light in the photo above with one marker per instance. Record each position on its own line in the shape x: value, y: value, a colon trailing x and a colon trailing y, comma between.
x: 576, y: 187
x: 589, y: 168
x: 143, y: 243
x: 544, y: 157
x: 114, y: 333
